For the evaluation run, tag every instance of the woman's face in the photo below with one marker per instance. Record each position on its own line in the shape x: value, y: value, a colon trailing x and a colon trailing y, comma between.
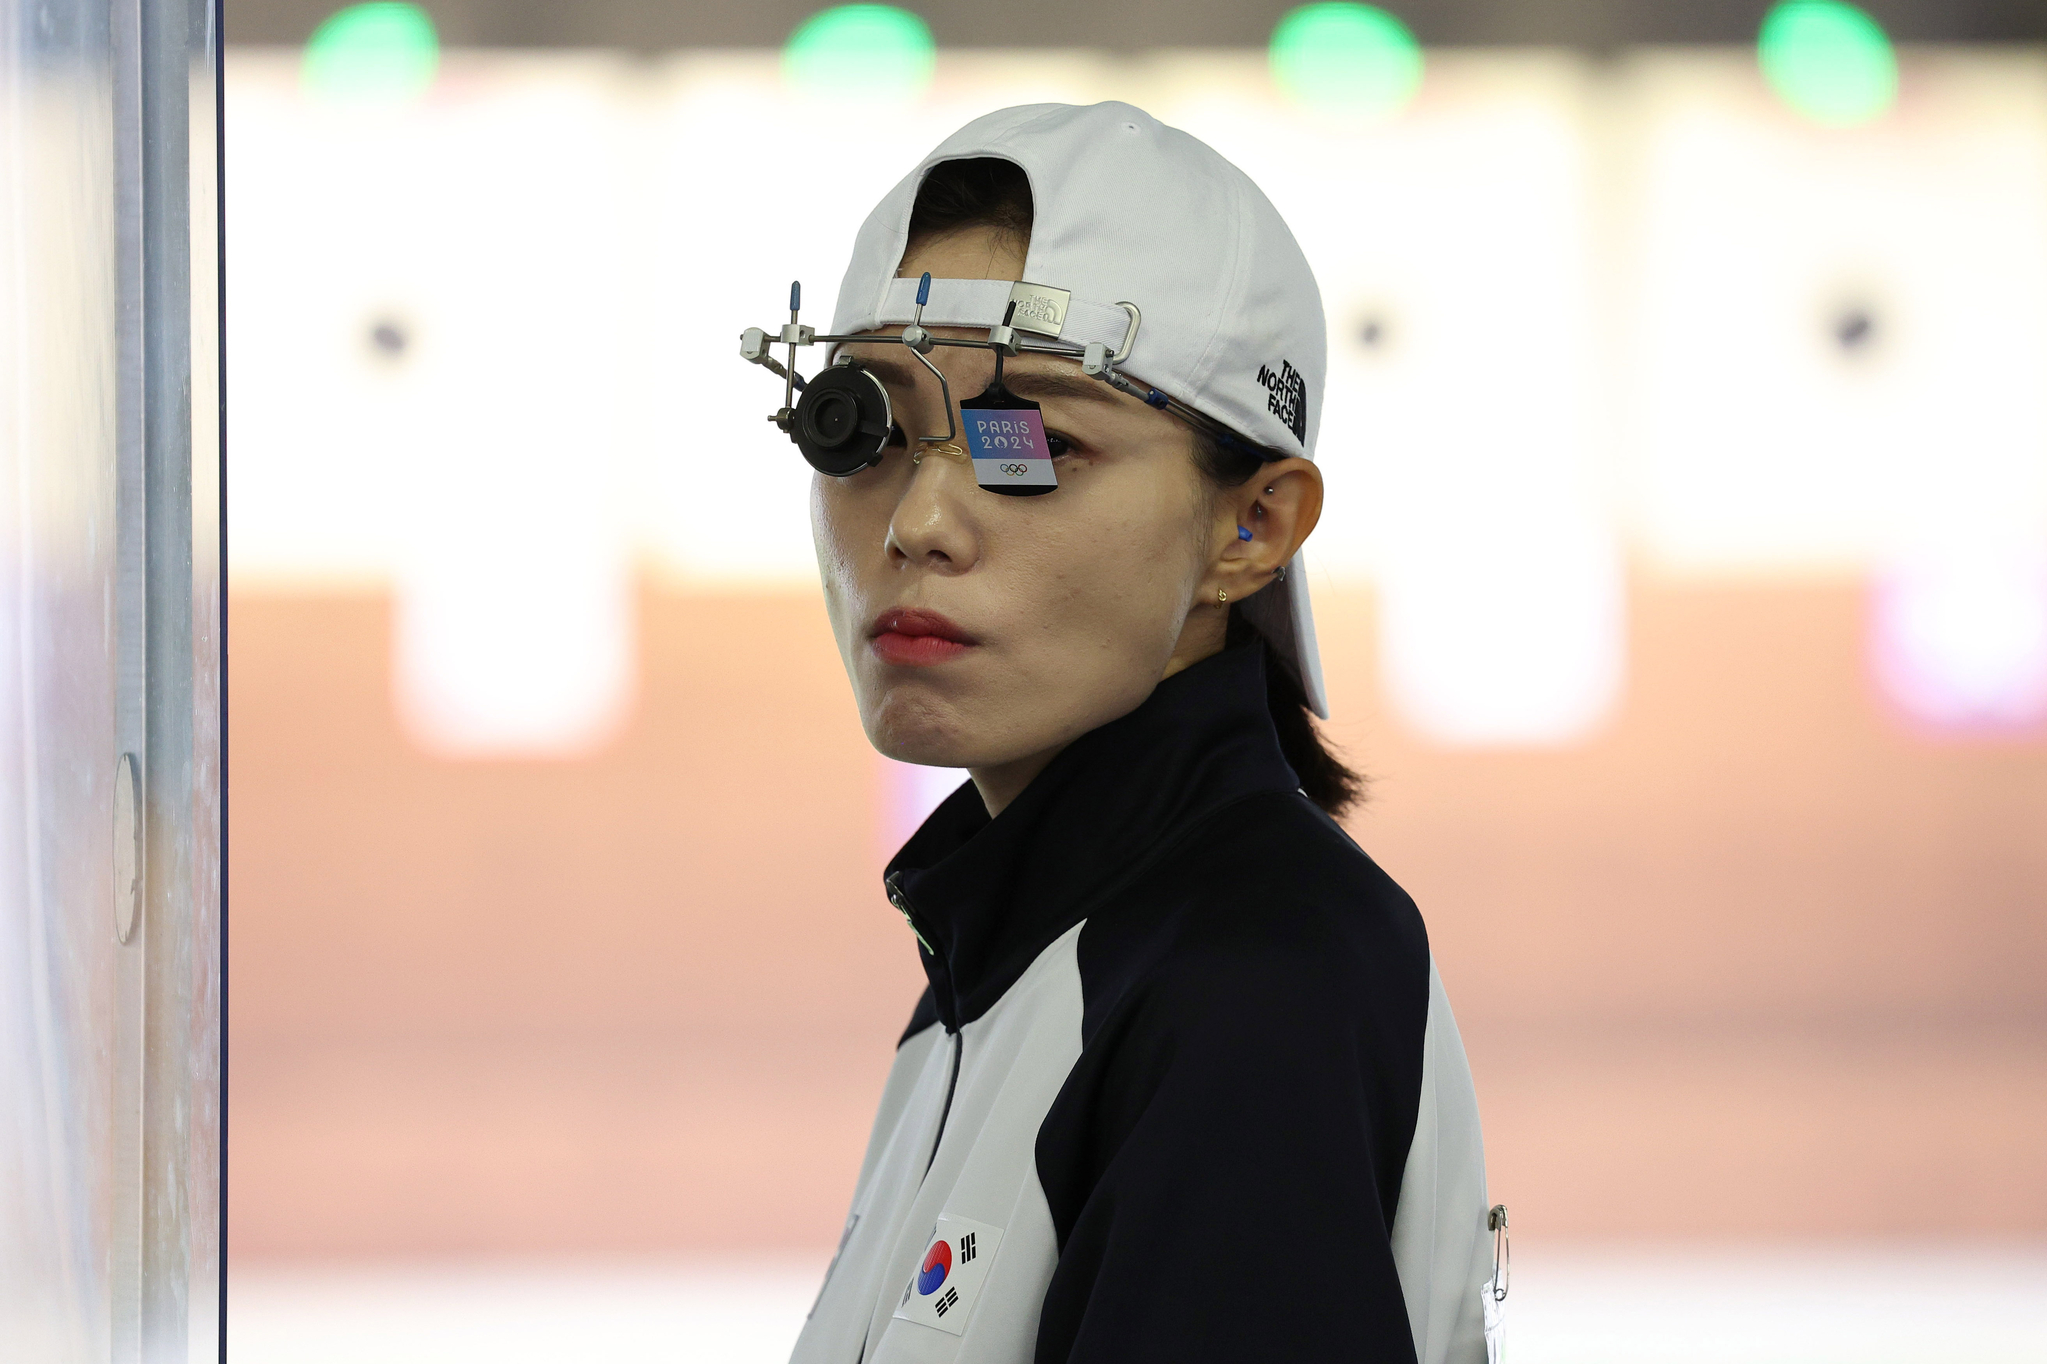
x: 985, y: 631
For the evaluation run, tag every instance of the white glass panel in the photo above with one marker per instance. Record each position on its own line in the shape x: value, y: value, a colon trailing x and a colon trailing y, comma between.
x: 1841, y: 332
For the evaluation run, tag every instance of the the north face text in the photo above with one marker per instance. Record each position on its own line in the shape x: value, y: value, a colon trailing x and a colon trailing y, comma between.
x: 1286, y: 397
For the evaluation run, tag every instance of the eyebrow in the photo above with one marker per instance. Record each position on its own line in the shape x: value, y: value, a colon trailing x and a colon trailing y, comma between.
x: 1024, y: 383
x: 897, y: 372
x: 1038, y: 383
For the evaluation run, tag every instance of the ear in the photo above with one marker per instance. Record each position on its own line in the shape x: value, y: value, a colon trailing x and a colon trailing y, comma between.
x: 1279, y: 505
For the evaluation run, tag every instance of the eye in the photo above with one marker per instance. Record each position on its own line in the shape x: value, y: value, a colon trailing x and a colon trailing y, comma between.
x: 896, y: 438
x: 1057, y: 444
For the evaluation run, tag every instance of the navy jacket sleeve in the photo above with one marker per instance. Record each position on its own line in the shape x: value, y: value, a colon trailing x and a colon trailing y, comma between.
x: 1224, y: 1163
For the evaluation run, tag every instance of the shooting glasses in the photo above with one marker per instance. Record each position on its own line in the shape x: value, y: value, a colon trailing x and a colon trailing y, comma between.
x: 842, y: 421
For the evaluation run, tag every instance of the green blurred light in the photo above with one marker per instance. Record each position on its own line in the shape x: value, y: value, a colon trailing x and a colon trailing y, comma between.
x: 1346, y: 58
x: 385, y: 50
x: 860, y: 50
x: 1829, y: 61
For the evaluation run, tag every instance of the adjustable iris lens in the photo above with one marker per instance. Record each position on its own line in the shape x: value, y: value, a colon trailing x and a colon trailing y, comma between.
x: 842, y: 420
x: 832, y: 419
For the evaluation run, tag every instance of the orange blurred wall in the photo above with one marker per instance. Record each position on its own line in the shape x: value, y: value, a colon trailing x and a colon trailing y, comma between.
x: 1757, y: 960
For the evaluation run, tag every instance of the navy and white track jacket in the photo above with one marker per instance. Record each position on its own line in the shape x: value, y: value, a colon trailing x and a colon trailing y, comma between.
x: 1184, y: 1087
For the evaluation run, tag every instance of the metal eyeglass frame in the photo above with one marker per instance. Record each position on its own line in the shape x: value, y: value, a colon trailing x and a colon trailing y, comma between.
x: 1097, y: 361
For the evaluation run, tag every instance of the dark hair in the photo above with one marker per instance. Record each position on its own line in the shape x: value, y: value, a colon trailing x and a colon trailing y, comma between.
x: 989, y: 192
x: 1325, y: 778
x: 980, y: 191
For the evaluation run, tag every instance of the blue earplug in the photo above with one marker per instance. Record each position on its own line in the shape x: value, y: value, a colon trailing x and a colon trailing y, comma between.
x: 1243, y: 532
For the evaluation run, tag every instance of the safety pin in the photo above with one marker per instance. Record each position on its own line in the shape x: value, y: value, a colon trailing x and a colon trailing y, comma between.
x: 1503, y: 1252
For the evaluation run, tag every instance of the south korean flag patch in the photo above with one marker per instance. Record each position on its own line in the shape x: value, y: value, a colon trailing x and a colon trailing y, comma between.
x: 948, y: 1279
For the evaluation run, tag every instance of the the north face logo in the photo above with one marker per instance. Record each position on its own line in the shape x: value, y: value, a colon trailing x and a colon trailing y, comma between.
x: 1036, y: 310
x: 1286, y: 397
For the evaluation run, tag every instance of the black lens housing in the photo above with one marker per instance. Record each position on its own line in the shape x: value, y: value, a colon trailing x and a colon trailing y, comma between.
x: 842, y: 421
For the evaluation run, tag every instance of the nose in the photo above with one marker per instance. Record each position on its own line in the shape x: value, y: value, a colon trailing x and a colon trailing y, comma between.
x: 935, y: 527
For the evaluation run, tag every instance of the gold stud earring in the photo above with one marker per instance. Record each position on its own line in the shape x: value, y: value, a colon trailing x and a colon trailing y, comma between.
x: 1222, y: 598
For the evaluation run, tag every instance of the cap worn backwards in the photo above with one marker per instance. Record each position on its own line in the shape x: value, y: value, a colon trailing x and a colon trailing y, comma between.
x: 1127, y: 209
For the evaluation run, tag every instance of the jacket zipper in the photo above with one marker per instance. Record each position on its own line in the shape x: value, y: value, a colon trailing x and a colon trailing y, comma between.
x: 902, y: 904
x: 959, y: 1044
x: 901, y: 901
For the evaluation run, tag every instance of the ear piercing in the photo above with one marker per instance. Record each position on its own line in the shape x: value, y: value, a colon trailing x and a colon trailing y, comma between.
x: 1222, y: 598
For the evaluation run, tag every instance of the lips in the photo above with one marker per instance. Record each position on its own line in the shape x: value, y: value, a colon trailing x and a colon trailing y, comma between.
x: 915, y: 638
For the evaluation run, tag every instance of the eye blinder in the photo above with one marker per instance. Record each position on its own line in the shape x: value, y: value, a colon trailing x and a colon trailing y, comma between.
x: 842, y: 421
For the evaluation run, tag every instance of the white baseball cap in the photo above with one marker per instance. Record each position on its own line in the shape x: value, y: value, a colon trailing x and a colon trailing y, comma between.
x: 1129, y: 210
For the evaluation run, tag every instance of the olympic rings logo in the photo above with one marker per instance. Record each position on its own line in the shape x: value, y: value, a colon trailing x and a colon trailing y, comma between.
x: 1014, y: 470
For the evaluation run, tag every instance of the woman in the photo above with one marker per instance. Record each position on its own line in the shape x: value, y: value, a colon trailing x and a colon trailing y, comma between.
x: 1183, y: 1086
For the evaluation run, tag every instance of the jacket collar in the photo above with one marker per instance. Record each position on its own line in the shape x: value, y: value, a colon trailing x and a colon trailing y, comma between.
x: 986, y: 896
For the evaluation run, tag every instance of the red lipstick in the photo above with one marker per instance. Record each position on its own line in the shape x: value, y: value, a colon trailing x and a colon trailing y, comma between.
x: 915, y: 638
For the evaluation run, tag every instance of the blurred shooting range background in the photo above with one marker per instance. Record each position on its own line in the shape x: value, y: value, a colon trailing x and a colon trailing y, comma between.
x: 1683, y: 588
